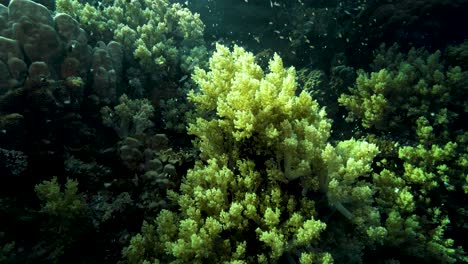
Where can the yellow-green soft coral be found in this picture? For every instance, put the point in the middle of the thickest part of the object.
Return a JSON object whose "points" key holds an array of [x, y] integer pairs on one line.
{"points": [[66, 204], [64, 215], [130, 117], [429, 165], [255, 134], [401, 88], [349, 189], [243, 106], [417, 188], [165, 38], [264, 155]]}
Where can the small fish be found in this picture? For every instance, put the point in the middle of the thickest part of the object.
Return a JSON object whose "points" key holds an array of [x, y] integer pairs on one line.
{"points": [[183, 78], [192, 65]]}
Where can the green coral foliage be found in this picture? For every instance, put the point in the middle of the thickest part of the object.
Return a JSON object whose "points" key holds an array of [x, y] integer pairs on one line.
{"points": [[227, 206], [131, 117], [266, 171], [165, 38], [55, 202], [63, 218], [263, 152], [349, 190], [426, 164], [459, 54], [414, 193], [420, 182], [403, 87], [257, 110]]}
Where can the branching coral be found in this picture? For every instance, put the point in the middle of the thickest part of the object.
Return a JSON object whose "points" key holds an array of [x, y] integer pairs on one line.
{"points": [[68, 203], [407, 194], [129, 117], [165, 38], [263, 152], [64, 216], [260, 111], [401, 88]]}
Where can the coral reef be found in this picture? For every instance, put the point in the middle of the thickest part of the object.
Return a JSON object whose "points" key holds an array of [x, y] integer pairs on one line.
{"points": [[247, 120], [166, 39], [120, 142], [129, 118], [31, 35], [404, 87], [68, 208]]}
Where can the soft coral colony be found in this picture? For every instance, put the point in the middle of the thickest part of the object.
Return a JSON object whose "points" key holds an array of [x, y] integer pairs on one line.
{"points": [[267, 183], [270, 183], [164, 38]]}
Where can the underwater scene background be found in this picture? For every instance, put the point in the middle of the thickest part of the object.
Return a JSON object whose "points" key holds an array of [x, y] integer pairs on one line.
{"points": [[233, 131]]}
